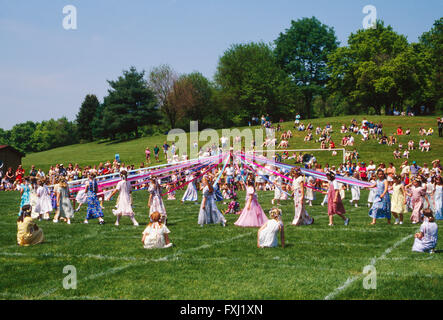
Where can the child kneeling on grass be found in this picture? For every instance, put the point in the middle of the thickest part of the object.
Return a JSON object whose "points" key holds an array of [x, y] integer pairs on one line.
{"points": [[156, 234], [267, 234], [426, 239], [28, 233]]}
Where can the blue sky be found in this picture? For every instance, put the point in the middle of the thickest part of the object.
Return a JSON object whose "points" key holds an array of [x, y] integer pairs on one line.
{"points": [[46, 71]]}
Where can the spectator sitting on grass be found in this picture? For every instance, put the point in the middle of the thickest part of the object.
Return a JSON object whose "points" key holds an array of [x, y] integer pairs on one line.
{"points": [[426, 239], [426, 146], [411, 145], [156, 234]]}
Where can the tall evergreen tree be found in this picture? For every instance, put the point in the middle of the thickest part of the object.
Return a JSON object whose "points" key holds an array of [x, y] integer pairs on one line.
{"points": [[129, 105], [85, 117]]}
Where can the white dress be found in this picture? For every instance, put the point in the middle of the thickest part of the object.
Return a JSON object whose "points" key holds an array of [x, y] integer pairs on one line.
{"points": [[342, 191], [429, 240], [124, 206], [309, 193], [155, 236], [268, 236], [277, 188], [44, 200], [35, 203], [372, 193], [355, 192], [81, 196]]}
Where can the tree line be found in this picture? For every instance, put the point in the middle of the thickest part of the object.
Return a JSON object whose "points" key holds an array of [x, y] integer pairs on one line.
{"points": [[305, 70]]}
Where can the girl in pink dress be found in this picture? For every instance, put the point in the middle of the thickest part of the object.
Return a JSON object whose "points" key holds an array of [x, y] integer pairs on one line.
{"points": [[124, 202], [252, 215], [335, 205], [417, 193]]}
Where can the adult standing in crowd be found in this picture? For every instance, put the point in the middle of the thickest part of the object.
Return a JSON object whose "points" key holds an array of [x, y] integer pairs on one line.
{"points": [[440, 126], [156, 152]]}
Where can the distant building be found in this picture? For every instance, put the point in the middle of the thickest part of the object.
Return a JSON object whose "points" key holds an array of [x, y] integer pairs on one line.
{"points": [[10, 157]]}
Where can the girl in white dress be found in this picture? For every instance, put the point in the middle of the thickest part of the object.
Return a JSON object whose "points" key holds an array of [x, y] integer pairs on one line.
{"points": [[267, 234], [155, 202], [430, 187], [45, 203], [35, 203], [124, 202], [372, 192], [355, 192], [284, 194], [309, 194], [426, 239], [81, 198], [277, 189], [155, 236]]}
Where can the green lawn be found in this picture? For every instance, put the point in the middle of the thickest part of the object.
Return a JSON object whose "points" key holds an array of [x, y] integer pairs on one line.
{"points": [[215, 262], [132, 152]]}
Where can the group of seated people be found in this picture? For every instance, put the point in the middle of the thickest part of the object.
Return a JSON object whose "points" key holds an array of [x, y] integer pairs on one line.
{"points": [[424, 132]]}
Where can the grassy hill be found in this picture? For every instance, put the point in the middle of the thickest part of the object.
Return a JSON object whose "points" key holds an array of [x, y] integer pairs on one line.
{"points": [[132, 152]]}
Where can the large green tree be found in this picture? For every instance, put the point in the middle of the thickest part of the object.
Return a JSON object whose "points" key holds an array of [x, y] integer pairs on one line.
{"points": [[20, 136], [432, 42], [54, 133], [302, 51], [378, 69], [129, 105], [251, 83], [85, 117]]}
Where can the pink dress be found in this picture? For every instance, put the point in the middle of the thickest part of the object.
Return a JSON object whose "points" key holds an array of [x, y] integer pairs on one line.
{"points": [[417, 202], [254, 217], [337, 207], [124, 206]]}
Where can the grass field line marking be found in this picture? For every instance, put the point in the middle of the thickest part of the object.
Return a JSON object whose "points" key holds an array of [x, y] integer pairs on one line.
{"points": [[15, 295], [331, 243], [165, 258], [374, 260]]}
